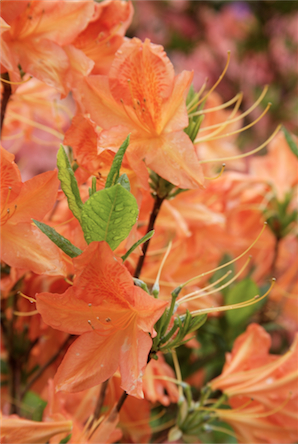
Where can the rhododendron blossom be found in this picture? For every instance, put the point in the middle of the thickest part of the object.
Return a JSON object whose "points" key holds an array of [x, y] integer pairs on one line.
{"points": [[112, 317]]}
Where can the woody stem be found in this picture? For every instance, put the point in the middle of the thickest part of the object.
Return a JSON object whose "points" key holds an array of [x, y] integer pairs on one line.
{"points": [[5, 97], [157, 204]]}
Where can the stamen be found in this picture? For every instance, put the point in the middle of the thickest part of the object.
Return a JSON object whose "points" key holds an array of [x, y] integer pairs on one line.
{"points": [[13, 136], [218, 175], [133, 117], [192, 296], [227, 263], [217, 108], [26, 297], [208, 138], [202, 290], [178, 372], [36, 124], [23, 313], [109, 37], [8, 215], [241, 156], [192, 104], [15, 83], [248, 111], [65, 222], [156, 283], [252, 301], [145, 421], [214, 428], [68, 281], [218, 81]]}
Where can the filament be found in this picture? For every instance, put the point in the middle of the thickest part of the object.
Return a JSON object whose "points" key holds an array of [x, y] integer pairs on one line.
{"points": [[24, 313], [36, 125], [145, 421], [15, 83], [6, 200], [208, 286], [218, 175], [13, 136], [248, 111], [178, 372], [162, 263], [218, 107], [218, 81], [252, 301], [188, 297], [109, 37], [208, 138], [220, 429], [192, 105], [26, 297], [240, 156], [68, 281], [227, 263]]}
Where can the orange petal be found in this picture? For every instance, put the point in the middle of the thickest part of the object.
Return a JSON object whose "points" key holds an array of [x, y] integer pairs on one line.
{"points": [[25, 246], [10, 178]]}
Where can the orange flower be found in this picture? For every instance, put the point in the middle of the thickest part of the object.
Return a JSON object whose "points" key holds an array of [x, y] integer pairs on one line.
{"points": [[23, 245], [113, 318], [143, 97], [19, 430], [104, 33], [37, 35], [271, 380]]}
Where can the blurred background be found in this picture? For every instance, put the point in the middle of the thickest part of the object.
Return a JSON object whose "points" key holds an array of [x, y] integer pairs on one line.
{"points": [[261, 35]]}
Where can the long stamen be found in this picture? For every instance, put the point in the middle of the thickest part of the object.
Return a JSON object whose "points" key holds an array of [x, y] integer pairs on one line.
{"points": [[252, 301], [110, 36], [218, 175], [156, 283], [26, 297], [8, 215], [218, 107], [194, 295], [13, 136], [178, 372], [241, 156], [210, 137], [206, 273], [248, 111], [218, 81], [193, 103], [15, 83], [24, 313], [202, 290], [36, 125]]}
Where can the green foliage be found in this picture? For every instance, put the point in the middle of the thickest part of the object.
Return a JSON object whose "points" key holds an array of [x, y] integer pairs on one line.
{"points": [[32, 406], [61, 242], [241, 292], [65, 440], [109, 215], [139, 242], [113, 175], [69, 183], [292, 145], [124, 181]]}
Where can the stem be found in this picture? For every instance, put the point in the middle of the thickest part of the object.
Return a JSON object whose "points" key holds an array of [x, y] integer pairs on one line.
{"points": [[5, 97], [45, 366], [157, 204], [100, 401], [121, 401]]}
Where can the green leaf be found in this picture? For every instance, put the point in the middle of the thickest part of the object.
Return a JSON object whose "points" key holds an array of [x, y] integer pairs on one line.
{"points": [[65, 440], [139, 242], [124, 181], [109, 215], [220, 273], [241, 292], [61, 242], [293, 146], [116, 165], [69, 183], [32, 406]]}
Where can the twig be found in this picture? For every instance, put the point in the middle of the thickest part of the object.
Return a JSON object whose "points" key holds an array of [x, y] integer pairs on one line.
{"points": [[5, 97]]}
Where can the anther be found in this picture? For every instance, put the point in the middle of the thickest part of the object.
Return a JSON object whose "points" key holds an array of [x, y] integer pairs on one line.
{"points": [[108, 319]]}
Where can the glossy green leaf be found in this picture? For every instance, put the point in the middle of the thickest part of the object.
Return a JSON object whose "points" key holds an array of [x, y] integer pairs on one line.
{"points": [[124, 181], [69, 183], [61, 242], [139, 242], [32, 406], [116, 165], [293, 146], [241, 292], [109, 215]]}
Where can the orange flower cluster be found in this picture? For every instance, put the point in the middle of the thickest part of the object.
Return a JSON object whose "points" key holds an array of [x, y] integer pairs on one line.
{"points": [[86, 325]]}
